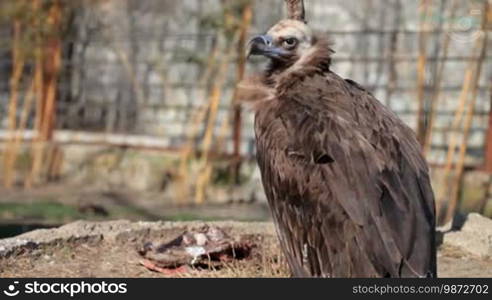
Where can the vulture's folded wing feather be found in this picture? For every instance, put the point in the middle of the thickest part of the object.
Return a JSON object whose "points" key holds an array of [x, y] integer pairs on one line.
{"points": [[347, 185]]}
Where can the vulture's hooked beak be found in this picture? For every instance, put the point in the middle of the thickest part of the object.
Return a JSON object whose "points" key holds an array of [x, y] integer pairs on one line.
{"points": [[263, 45]]}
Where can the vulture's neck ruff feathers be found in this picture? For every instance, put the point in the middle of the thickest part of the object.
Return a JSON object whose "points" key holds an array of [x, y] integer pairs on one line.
{"points": [[316, 59], [261, 88]]}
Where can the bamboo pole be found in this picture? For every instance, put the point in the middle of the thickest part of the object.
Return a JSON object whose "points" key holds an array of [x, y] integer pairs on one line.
{"points": [[456, 187]]}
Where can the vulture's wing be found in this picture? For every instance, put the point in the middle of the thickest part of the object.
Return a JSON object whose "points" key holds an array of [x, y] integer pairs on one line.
{"points": [[348, 188]]}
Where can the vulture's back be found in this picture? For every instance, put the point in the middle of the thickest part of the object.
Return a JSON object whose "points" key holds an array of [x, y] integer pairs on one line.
{"points": [[346, 182]]}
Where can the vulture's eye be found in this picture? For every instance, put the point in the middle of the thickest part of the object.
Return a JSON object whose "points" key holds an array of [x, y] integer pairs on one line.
{"points": [[290, 42]]}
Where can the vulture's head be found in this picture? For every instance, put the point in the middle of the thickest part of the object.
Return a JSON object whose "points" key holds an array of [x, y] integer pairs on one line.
{"points": [[291, 42]]}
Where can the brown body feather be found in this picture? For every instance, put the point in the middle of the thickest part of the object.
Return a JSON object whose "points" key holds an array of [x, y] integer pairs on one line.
{"points": [[345, 179]]}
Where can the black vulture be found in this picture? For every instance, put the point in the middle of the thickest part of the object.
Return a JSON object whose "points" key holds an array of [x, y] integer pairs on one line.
{"points": [[345, 179]]}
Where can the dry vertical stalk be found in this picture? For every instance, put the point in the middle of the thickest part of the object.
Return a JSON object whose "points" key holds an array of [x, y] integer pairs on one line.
{"points": [[38, 88], [34, 88], [488, 157], [47, 106], [216, 93], [18, 61], [205, 166], [488, 145], [421, 67], [458, 116], [197, 119], [240, 70], [392, 70], [441, 189], [439, 77], [123, 57], [295, 10], [482, 45], [52, 69], [17, 136], [55, 163]]}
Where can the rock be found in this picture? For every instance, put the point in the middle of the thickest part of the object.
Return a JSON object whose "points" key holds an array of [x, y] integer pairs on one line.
{"points": [[475, 237], [86, 232]]}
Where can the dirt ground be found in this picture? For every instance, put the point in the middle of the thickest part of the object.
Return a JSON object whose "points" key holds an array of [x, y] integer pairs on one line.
{"points": [[96, 253], [109, 249]]}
